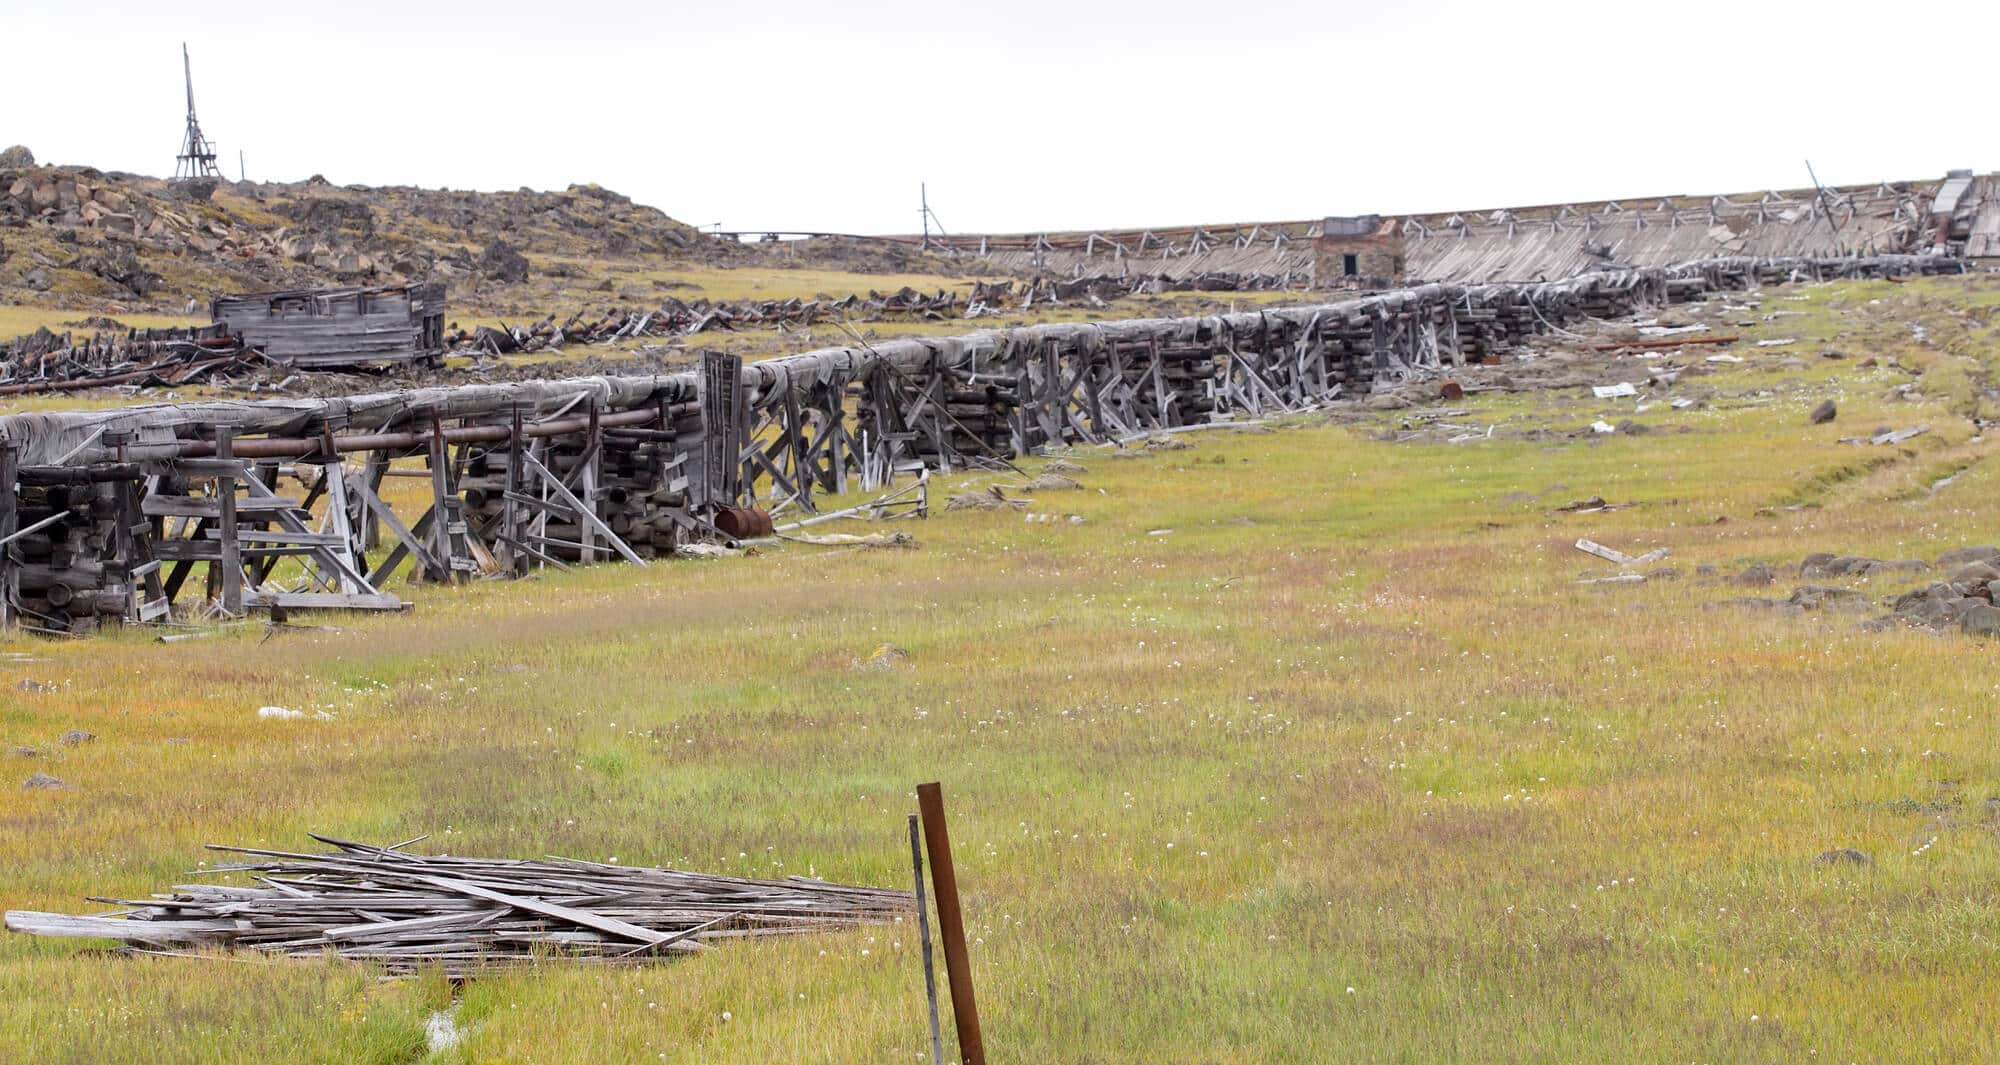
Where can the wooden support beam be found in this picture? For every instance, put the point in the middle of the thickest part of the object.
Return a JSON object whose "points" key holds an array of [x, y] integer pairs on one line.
{"points": [[231, 560], [448, 521], [10, 519], [517, 558], [408, 541], [584, 513], [589, 469]]}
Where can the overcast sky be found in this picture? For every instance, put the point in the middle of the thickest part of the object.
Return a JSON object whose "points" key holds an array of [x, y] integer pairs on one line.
{"points": [[1023, 115]]}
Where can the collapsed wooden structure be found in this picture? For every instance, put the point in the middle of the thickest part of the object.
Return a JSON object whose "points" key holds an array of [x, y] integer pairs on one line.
{"points": [[316, 328], [1523, 243], [44, 361], [407, 911], [104, 515]]}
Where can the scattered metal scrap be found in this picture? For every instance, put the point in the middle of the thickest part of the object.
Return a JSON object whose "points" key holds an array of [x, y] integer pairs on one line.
{"points": [[408, 911]]}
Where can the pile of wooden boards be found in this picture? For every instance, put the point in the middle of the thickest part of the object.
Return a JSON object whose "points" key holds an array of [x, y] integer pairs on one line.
{"points": [[44, 361], [408, 911]]}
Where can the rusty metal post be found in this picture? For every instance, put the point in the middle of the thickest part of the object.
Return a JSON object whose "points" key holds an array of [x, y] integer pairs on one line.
{"points": [[951, 925], [924, 933]]}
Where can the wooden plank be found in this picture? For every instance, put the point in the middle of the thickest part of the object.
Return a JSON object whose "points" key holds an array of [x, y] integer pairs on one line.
{"points": [[407, 540], [327, 600], [10, 456], [607, 925], [225, 493], [583, 512], [199, 507], [264, 536]]}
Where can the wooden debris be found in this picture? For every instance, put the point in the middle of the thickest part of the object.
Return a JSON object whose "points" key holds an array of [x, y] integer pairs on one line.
{"points": [[408, 911]]}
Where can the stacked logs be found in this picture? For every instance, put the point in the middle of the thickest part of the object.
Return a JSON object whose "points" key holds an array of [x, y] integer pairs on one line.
{"points": [[72, 574], [635, 474], [981, 416]]}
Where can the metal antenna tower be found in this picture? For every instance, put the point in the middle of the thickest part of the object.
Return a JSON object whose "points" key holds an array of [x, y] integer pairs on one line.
{"points": [[197, 158]]}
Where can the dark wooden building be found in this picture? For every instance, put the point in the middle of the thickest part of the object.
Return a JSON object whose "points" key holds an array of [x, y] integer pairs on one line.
{"points": [[315, 328]]}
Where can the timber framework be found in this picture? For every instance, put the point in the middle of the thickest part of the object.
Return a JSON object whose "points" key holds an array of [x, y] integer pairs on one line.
{"points": [[105, 515]]}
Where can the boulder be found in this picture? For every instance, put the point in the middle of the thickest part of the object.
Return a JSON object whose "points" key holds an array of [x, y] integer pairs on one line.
{"points": [[1813, 596], [196, 190], [1975, 573], [502, 262], [1823, 413], [16, 157], [1962, 555], [77, 736], [1754, 574], [1843, 856], [42, 782], [1823, 564], [1981, 620]]}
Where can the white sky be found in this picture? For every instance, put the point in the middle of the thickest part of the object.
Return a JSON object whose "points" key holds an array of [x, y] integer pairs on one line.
{"points": [[1020, 115]]}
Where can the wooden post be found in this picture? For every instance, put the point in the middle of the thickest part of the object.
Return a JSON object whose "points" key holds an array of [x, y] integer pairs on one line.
{"points": [[586, 488], [334, 475], [951, 925], [374, 468], [10, 517], [924, 935], [232, 555], [515, 535]]}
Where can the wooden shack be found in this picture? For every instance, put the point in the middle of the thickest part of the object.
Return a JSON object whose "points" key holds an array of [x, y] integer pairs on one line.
{"points": [[321, 328], [1363, 250]]}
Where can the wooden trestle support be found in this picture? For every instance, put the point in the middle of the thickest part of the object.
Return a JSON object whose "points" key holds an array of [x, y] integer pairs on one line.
{"points": [[105, 515]]}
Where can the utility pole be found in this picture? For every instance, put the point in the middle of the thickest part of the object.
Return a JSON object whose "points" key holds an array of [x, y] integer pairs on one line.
{"points": [[927, 216]]}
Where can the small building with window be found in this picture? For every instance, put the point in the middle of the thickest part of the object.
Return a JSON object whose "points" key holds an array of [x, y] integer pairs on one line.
{"points": [[1363, 251], [320, 328]]}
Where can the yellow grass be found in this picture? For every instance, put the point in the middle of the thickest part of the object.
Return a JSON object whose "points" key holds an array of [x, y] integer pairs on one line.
{"points": [[17, 320], [1303, 746]]}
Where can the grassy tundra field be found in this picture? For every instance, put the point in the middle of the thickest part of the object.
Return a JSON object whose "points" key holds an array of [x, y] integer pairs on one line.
{"points": [[1304, 745]]}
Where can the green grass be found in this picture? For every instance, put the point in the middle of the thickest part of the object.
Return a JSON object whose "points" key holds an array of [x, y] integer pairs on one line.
{"points": [[1350, 724]]}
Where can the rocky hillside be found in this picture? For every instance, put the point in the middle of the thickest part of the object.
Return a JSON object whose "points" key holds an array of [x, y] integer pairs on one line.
{"points": [[77, 236]]}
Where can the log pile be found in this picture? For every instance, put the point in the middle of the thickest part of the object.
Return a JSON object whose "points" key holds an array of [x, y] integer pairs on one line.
{"points": [[407, 912], [75, 546]]}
